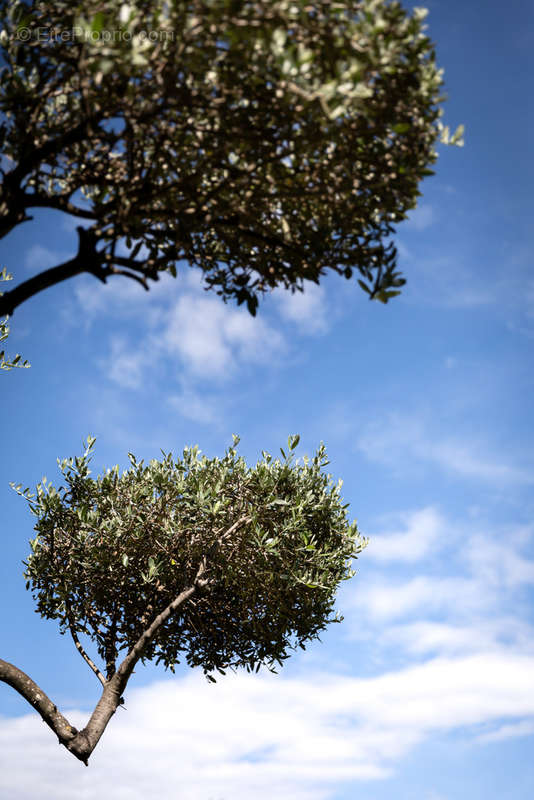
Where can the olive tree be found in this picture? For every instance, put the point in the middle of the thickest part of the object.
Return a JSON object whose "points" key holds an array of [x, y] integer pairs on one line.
{"points": [[262, 142], [204, 560]]}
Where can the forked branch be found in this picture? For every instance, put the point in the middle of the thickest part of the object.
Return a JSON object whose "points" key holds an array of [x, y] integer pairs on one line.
{"points": [[82, 743]]}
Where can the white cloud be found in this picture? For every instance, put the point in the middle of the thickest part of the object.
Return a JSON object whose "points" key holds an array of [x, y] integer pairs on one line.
{"points": [[212, 338], [259, 736], [178, 319], [475, 586], [207, 338], [387, 600], [179, 323], [470, 461], [421, 532], [307, 309], [467, 600], [474, 634]]}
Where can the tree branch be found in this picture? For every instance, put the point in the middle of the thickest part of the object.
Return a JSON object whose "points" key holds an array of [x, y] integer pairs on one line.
{"points": [[125, 670], [51, 147], [86, 260], [35, 696], [111, 698], [82, 743], [83, 654], [230, 530], [50, 277], [140, 279]]}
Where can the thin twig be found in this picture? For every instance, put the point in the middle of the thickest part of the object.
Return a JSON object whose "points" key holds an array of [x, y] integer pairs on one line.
{"points": [[115, 271], [83, 654]]}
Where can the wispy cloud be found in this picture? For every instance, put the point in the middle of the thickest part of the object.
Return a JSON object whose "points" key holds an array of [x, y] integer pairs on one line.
{"points": [[125, 364], [38, 257], [445, 273], [199, 407], [208, 338], [400, 438], [190, 336], [523, 728], [388, 600], [419, 532], [481, 580], [421, 217], [308, 309], [467, 597], [473, 634], [123, 299], [183, 330]]}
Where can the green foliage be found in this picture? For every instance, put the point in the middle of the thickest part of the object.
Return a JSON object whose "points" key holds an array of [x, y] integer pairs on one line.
{"points": [[264, 143], [112, 552], [6, 362]]}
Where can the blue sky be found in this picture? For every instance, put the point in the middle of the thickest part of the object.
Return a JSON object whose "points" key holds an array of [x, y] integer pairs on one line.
{"points": [[427, 689]]}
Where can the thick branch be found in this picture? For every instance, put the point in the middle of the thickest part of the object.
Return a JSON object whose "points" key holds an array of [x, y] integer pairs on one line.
{"points": [[86, 260], [82, 743], [237, 524], [35, 696], [50, 277], [89, 260]]}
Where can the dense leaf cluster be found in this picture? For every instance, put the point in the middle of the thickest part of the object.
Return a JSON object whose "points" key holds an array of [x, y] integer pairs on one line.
{"points": [[263, 142], [272, 541]]}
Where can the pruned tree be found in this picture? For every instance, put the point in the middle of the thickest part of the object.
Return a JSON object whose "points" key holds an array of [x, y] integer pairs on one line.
{"points": [[200, 559], [262, 142]]}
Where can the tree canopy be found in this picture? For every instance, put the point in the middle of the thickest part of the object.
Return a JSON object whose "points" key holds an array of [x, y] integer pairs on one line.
{"points": [[206, 560], [264, 143]]}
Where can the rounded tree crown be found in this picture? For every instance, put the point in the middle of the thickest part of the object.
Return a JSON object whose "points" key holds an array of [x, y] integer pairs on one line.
{"points": [[272, 542]]}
